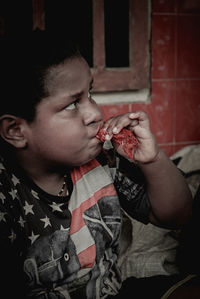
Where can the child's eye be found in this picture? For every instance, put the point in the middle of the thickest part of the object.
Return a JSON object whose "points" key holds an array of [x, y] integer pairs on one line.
{"points": [[72, 105]]}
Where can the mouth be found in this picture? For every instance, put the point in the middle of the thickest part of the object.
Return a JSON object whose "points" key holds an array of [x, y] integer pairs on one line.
{"points": [[100, 125]]}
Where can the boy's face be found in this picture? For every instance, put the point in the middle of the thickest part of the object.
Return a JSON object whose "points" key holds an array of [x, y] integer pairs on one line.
{"points": [[67, 121]]}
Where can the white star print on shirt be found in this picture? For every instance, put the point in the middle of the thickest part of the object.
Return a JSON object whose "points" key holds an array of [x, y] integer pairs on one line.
{"points": [[15, 180], [1, 167], [33, 237], [35, 194], [56, 207], [13, 193], [2, 216], [2, 196], [46, 221], [62, 228], [12, 237], [28, 208], [21, 221]]}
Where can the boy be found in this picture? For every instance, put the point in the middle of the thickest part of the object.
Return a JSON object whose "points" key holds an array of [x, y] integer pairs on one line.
{"points": [[60, 197]]}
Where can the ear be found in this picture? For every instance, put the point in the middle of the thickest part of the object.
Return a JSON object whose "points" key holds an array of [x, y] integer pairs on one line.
{"points": [[12, 130]]}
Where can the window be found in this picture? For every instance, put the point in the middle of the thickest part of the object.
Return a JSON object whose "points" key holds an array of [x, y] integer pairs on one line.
{"points": [[114, 36], [135, 75]]}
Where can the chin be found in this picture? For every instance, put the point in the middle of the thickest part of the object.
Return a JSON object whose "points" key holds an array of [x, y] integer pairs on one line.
{"points": [[92, 155], [98, 150], [87, 155]]}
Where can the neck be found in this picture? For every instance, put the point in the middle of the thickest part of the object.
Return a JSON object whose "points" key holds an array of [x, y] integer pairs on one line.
{"points": [[49, 180]]}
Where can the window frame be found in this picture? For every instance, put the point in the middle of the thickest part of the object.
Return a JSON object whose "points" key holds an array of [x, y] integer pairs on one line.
{"points": [[135, 80], [137, 76]]}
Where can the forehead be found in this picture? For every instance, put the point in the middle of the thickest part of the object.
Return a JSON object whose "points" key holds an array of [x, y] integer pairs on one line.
{"points": [[72, 74]]}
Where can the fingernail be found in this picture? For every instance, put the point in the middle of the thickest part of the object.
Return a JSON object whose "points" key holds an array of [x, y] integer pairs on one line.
{"points": [[132, 115], [115, 130]]}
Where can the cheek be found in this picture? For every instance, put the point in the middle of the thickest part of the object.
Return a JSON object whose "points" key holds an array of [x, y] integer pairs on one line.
{"points": [[74, 133], [74, 138], [60, 134], [63, 130]]}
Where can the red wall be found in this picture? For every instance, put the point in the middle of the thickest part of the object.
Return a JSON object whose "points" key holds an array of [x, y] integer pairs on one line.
{"points": [[175, 107]]}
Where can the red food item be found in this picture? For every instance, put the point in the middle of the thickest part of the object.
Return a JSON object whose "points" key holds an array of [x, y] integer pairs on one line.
{"points": [[125, 138]]}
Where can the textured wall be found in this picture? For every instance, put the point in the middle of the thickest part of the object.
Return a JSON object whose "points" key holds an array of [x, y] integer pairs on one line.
{"points": [[175, 108]]}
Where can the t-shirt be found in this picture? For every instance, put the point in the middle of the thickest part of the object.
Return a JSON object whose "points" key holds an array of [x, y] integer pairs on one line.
{"points": [[57, 246]]}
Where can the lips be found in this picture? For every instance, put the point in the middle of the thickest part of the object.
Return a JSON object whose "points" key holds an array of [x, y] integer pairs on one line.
{"points": [[100, 126]]}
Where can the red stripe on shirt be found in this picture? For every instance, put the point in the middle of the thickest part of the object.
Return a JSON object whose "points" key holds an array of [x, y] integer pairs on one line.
{"points": [[87, 257], [77, 221], [77, 173]]}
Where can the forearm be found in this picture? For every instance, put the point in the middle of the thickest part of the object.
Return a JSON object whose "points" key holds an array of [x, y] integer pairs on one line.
{"points": [[169, 195], [168, 192]]}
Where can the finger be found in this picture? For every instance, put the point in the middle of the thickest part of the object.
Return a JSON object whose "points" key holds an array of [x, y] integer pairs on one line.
{"points": [[142, 118], [112, 123], [122, 122], [108, 123], [134, 123]]}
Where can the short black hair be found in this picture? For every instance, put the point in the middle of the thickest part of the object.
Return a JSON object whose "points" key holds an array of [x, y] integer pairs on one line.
{"points": [[24, 64]]}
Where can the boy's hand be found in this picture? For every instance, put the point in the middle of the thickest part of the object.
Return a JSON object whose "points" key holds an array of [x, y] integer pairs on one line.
{"points": [[138, 122]]}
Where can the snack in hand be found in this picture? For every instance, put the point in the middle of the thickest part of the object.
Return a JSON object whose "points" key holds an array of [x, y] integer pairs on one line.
{"points": [[125, 138]]}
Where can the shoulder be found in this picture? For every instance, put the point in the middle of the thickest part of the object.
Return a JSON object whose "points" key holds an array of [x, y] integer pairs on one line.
{"points": [[8, 187]]}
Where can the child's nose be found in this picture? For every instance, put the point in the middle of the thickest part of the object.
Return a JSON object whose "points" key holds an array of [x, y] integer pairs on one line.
{"points": [[91, 113]]}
